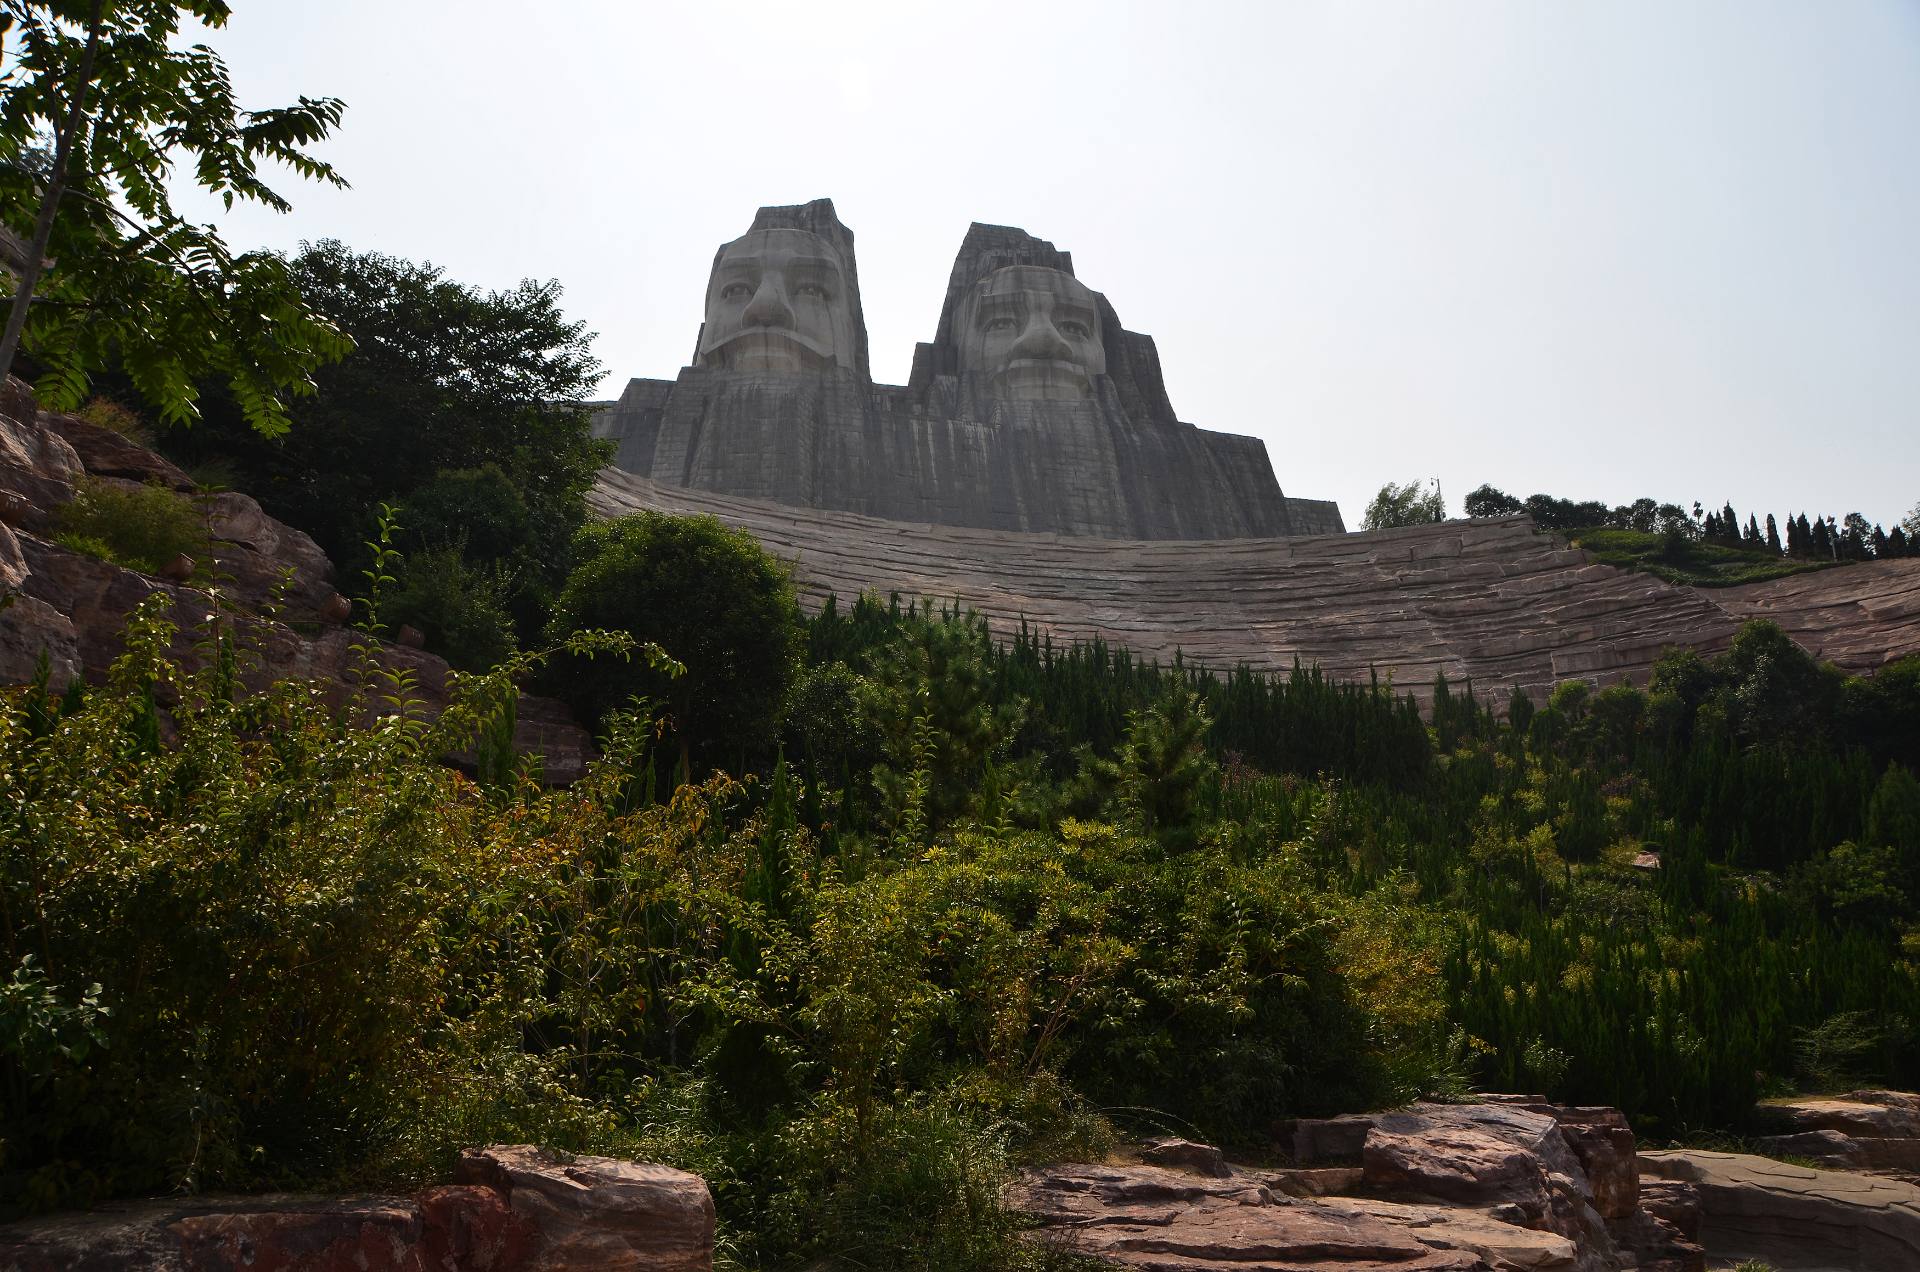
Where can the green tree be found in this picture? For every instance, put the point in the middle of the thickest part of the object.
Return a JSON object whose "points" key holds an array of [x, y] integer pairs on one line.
{"points": [[1164, 768], [461, 407], [1489, 501], [712, 598], [95, 108], [1414, 504]]}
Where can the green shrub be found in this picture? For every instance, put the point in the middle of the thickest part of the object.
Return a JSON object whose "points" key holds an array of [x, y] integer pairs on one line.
{"points": [[459, 608], [710, 595], [143, 528]]}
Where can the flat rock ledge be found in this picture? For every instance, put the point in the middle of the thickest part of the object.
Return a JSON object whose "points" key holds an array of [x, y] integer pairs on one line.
{"points": [[1794, 1218], [1514, 1185], [513, 1208]]}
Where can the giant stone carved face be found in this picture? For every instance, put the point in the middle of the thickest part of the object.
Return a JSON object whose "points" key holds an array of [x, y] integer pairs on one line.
{"points": [[1032, 333], [778, 302]]}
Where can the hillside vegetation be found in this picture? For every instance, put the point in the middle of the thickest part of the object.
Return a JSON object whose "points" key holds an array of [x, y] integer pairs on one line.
{"points": [[964, 905]]}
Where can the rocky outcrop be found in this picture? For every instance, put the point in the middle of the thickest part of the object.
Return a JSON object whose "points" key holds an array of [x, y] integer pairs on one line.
{"points": [[523, 1210], [276, 584], [1795, 1218], [1504, 1185], [1861, 1130]]}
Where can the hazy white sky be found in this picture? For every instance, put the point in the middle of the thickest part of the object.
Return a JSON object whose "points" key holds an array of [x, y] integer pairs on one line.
{"points": [[1600, 249]]}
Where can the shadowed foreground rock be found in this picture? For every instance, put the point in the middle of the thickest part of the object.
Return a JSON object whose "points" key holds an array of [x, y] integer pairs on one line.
{"points": [[518, 1209]]}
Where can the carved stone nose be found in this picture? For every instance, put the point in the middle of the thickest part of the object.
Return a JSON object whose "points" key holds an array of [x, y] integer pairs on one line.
{"points": [[1042, 340], [769, 307]]}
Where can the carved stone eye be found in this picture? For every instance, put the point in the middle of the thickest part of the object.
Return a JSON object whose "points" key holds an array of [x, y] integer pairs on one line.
{"points": [[1078, 330], [999, 324], [811, 291], [735, 291]]}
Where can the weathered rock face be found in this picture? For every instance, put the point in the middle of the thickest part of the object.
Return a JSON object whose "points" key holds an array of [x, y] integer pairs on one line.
{"points": [[1796, 1219], [70, 607], [1031, 409], [528, 1211], [1497, 1186]]}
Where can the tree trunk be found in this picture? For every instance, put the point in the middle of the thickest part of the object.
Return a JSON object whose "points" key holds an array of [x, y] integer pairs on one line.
{"points": [[50, 199]]}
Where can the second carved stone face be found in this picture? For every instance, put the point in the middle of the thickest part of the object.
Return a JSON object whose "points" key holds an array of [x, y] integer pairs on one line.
{"points": [[1032, 333], [778, 302]]}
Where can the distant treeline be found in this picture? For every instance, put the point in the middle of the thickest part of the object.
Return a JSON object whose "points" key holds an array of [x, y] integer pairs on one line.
{"points": [[1849, 538]]}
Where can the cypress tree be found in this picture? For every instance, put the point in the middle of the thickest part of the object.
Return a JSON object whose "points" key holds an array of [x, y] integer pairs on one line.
{"points": [[1820, 543], [1773, 535], [1752, 537]]}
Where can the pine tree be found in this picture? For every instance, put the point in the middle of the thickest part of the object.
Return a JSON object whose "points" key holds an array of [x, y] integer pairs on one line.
{"points": [[1751, 538], [1820, 542], [1898, 544], [1729, 526], [1773, 535]]}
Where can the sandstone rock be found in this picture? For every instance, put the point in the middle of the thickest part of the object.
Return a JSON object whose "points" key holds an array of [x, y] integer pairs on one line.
{"points": [[1149, 1217], [178, 570], [1490, 1155], [1858, 617], [1329, 1141], [37, 467], [410, 636], [105, 453], [1864, 1130], [1505, 1247], [599, 1212], [1203, 1159], [1313, 1181], [1603, 1142], [1796, 1218], [529, 1217]]}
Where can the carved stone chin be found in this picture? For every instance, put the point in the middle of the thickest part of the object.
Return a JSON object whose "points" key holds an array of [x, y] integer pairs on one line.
{"points": [[778, 301], [1031, 334]]}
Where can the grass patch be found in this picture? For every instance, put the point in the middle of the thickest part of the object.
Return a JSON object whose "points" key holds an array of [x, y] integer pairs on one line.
{"points": [[1689, 561]]}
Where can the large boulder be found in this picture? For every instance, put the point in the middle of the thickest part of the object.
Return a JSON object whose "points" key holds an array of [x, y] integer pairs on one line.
{"points": [[1153, 1218], [1861, 1130], [1796, 1218], [523, 1211], [599, 1212], [1506, 1158], [1507, 1185]]}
